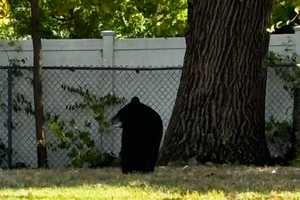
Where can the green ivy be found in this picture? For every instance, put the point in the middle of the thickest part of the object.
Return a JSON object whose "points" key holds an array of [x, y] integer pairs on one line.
{"points": [[285, 66]]}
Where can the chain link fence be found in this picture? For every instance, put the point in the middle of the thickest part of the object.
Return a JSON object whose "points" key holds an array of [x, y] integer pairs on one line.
{"points": [[280, 93], [70, 96]]}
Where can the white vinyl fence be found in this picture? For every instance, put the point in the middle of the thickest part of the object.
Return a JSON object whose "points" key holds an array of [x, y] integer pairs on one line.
{"points": [[156, 87]]}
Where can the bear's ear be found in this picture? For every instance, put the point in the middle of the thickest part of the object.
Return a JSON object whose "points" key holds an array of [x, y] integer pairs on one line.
{"points": [[135, 100]]}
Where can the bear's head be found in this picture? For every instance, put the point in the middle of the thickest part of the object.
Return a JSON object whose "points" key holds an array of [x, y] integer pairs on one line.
{"points": [[123, 114]]}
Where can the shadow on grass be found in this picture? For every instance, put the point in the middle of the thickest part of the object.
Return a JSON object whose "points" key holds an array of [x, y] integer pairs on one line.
{"points": [[181, 179]]}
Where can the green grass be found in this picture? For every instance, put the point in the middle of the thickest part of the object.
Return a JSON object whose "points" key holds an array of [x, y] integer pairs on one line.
{"points": [[167, 183]]}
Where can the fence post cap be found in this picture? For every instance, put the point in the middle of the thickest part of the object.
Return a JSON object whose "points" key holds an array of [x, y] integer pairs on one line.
{"points": [[107, 33], [297, 28]]}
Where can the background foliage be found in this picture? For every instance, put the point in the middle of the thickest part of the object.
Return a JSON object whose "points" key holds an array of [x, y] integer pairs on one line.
{"points": [[87, 18], [283, 12], [128, 18]]}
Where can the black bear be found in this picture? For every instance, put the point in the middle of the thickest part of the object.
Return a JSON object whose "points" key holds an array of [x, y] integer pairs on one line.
{"points": [[142, 132]]}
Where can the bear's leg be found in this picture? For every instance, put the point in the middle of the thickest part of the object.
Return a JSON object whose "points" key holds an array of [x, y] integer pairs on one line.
{"points": [[153, 149], [126, 163]]}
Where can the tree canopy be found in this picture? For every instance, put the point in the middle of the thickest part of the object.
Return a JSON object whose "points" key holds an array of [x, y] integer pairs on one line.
{"points": [[134, 18], [87, 18], [283, 12]]}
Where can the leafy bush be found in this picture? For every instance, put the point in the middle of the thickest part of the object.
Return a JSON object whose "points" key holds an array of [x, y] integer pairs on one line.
{"points": [[77, 140], [80, 147]]}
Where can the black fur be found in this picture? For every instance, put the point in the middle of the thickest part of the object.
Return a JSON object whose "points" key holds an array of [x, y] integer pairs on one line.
{"points": [[142, 132]]}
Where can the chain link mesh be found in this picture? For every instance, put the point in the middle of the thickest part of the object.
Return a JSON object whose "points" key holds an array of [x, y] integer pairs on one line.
{"points": [[3, 119], [156, 87], [279, 95]]}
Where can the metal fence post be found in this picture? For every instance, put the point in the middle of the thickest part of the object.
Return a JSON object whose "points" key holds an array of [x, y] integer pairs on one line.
{"points": [[297, 42], [296, 113], [9, 117], [296, 119], [108, 54]]}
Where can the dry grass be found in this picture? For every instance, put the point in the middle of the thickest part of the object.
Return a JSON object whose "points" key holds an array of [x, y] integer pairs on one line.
{"points": [[202, 182]]}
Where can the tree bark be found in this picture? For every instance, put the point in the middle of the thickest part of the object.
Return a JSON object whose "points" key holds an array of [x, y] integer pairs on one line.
{"points": [[37, 84], [220, 105]]}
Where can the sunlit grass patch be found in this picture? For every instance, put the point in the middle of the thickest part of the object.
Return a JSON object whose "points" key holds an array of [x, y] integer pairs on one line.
{"points": [[167, 183]]}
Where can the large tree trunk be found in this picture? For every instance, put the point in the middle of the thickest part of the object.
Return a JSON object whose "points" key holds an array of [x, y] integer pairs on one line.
{"points": [[37, 84], [220, 105]]}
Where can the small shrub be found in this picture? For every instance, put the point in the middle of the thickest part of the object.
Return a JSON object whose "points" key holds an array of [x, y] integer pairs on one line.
{"points": [[80, 147], [77, 140], [281, 141]]}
